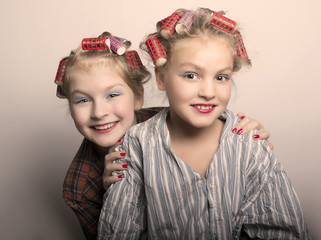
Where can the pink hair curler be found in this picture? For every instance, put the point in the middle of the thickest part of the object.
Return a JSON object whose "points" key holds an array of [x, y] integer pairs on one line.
{"points": [[156, 51], [185, 22], [115, 45], [94, 43], [61, 72], [239, 46], [134, 59], [223, 22]]}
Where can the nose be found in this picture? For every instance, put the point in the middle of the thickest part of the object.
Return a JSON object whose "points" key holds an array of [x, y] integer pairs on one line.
{"points": [[99, 109], [207, 89]]}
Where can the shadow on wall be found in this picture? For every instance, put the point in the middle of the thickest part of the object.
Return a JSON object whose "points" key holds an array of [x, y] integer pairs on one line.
{"points": [[61, 220], [32, 206]]}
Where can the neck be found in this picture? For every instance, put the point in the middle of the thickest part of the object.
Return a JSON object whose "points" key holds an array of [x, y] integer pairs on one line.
{"points": [[101, 151], [182, 130]]}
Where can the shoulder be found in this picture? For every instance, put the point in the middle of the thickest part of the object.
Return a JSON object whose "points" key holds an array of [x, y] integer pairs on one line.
{"points": [[141, 137], [254, 154], [82, 170], [146, 113], [149, 126], [231, 119]]}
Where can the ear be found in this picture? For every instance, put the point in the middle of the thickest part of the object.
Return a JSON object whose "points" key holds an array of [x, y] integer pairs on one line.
{"points": [[160, 80], [139, 101]]}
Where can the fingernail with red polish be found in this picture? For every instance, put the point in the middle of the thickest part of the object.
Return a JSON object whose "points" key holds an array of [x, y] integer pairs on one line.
{"points": [[234, 130], [120, 176], [256, 136], [240, 131], [242, 117], [125, 165], [119, 140], [123, 154]]}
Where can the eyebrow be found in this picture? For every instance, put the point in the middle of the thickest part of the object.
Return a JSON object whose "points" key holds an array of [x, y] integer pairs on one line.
{"points": [[106, 89], [188, 64]]}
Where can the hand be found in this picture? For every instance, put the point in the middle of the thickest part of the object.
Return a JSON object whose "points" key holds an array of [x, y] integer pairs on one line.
{"points": [[110, 167], [247, 124]]}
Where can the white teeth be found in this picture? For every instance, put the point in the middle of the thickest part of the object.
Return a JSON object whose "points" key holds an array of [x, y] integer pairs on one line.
{"points": [[203, 107], [104, 127]]}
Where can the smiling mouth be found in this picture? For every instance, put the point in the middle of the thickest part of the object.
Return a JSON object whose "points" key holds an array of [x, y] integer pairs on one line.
{"points": [[105, 126], [204, 108]]}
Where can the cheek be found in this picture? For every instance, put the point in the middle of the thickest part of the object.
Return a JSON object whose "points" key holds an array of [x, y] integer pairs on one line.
{"points": [[180, 92], [125, 108], [78, 115], [225, 94]]}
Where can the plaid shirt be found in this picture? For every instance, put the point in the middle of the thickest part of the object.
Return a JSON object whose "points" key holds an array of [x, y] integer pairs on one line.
{"points": [[83, 188]]}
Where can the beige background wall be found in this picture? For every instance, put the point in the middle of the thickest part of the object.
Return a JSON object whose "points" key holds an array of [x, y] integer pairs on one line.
{"points": [[38, 139]]}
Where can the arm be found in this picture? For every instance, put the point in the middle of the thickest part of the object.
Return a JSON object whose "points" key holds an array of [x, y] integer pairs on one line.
{"points": [[273, 210], [123, 214], [87, 214], [83, 190]]}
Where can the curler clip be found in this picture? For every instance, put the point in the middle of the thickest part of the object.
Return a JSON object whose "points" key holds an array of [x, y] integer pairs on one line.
{"points": [[185, 21], [223, 22], [156, 51], [239, 46], [94, 43], [169, 25], [134, 59], [61, 71]]}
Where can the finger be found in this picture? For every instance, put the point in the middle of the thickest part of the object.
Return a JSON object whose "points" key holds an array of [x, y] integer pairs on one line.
{"points": [[247, 124], [110, 157], [111, 179], [251, 125], [111, 149], [262, 135], [241, 115], [110, 166], [115, 167]]}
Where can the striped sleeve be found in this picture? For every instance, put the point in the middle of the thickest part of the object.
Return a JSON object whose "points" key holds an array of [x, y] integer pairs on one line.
{"points": [[273, 209], [123, 215]]}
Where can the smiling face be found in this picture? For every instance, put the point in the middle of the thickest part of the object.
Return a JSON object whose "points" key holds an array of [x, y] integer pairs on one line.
{"points": [[101, 103], [197, 81]]}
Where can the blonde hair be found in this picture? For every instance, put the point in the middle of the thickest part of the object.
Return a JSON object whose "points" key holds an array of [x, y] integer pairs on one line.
{"points": [[200, 26], [85, 59]]}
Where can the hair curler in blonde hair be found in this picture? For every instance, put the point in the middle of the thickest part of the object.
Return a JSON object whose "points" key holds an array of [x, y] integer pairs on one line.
{"points": [[223, 22], [99, 43], [169, 26], [156, 51], [115, 45], [185, 22]]}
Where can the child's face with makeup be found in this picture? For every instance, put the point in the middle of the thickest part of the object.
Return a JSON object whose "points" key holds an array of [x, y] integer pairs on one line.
{"points": [[102, 104], [198, 80]]}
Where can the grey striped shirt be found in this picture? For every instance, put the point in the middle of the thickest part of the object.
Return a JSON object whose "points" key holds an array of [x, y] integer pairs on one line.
{"points": [[246, 192]]}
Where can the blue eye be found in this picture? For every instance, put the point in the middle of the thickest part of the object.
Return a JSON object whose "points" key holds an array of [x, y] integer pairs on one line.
{"points": [[81, 100], [190, 75], [113, 94], [223, 77]]}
